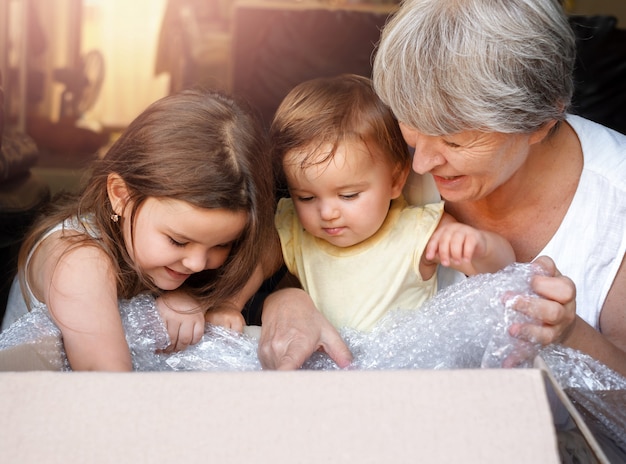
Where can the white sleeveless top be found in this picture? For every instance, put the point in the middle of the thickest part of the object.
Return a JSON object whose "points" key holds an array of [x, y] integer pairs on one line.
{"points": [[589, 245]]}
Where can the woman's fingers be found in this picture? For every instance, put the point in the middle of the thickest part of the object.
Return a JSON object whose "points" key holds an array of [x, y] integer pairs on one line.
{"points": [[554, 310]]}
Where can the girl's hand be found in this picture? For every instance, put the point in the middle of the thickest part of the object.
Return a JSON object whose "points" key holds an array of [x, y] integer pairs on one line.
{"points": [[227, 316], [183, 318], [554, 311]]}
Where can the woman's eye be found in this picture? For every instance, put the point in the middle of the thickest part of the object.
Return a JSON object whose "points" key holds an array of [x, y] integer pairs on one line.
{"points": [[451, 144], [175, 243]]}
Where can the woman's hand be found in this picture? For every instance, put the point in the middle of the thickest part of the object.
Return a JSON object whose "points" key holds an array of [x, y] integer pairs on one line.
{"points": [[555, 310], [293, 329], [183, 319]]}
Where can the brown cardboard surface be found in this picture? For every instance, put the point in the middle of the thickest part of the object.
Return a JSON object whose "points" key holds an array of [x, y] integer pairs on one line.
{"points": [[469, 416]]}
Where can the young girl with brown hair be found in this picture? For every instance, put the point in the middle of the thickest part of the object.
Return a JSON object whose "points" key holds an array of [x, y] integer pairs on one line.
{"points": [[180, 206]]}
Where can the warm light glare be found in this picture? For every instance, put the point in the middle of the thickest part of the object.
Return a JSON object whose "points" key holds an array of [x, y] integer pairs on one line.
{"points": [[126, 32], [50, 39]]}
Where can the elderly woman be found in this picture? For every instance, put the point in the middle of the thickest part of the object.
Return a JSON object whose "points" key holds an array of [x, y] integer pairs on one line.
{"points": [[482, 90]]}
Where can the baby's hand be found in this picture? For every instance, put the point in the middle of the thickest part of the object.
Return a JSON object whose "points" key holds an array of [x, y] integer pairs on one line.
{"points": [[183, 318], [455, 244], [226, 316]]}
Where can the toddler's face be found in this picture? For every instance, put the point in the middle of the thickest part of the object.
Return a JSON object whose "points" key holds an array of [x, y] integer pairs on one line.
{"points": [[345, 199]]}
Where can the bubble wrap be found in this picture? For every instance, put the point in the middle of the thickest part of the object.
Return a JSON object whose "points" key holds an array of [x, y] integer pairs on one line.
{"points": [[463, 326], [37, 331]]}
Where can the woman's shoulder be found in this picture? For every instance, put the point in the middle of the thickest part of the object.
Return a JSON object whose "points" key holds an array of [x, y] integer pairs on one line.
{"points": [[604, 149]]}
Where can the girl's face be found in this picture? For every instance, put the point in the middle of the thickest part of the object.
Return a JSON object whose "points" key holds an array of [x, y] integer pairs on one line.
{"points": [[345, 200], [173, 239], [469, 165]]}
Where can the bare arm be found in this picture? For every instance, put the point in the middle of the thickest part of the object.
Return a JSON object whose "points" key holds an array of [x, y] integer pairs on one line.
{"points": [[79, 288], [466, 249], [613, 315]]}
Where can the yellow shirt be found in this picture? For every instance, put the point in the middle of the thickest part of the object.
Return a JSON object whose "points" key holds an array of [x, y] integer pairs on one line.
{"points": [[355, 286]]}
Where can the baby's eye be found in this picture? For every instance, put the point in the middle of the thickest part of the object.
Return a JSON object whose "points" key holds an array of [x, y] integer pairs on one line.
{"points": [[349, 196], [304, 199], [175, 243]]}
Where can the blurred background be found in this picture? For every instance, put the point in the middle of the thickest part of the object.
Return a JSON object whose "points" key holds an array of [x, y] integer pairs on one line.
{"points": [[95, 64], [76, 72]]}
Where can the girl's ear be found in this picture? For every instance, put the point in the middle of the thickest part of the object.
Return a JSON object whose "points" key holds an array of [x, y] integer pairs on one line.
{"points": [[118, 193], [400, 176]]}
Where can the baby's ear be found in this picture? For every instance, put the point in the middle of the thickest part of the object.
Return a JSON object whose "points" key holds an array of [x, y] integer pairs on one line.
{"points": [[400, 175], [118, 193]]}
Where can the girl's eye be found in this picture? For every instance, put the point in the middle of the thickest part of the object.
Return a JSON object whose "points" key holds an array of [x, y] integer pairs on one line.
{"points": [[304, 199], [175, 243], [225, 245]]}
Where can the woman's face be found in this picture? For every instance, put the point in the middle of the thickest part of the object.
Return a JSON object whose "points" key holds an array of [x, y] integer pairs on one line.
{"points": [[468, 165]]}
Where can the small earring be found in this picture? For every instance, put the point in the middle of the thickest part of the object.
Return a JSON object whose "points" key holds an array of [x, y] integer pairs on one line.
{"points": [[115, 218]]}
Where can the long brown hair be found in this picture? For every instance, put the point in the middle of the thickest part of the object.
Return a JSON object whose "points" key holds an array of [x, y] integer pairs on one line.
{"points": [[197, 146]]}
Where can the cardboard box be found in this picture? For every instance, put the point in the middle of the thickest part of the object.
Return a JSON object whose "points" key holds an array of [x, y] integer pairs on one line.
{"points": [[470, 416]]}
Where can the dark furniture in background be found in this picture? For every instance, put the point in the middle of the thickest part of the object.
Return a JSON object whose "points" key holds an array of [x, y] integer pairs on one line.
{"points": [[278, 45], [600, 74]]}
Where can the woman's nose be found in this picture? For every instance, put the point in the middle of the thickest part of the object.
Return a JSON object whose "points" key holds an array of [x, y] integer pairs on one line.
{"points": [[424, 160], [426, 155]]}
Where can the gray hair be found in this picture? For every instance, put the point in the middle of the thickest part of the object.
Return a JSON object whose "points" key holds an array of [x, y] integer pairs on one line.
{"points": [[444, 66]]}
